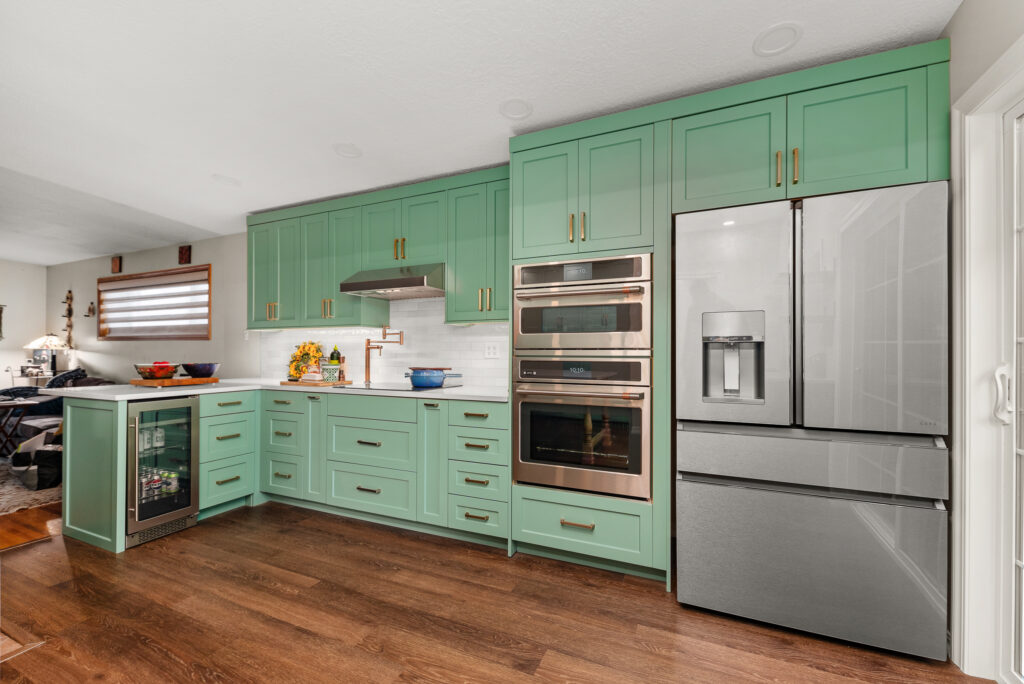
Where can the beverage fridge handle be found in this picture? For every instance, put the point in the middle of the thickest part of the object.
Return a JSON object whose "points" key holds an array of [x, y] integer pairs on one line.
{"points": [[797, 380], [133, 484]]}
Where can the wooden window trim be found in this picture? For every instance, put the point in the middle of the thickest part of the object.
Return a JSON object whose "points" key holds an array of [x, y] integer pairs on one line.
{"points": [[152, 274]]}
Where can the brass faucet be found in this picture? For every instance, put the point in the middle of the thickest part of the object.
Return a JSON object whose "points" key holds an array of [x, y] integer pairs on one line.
{"points": [[379, 346]]}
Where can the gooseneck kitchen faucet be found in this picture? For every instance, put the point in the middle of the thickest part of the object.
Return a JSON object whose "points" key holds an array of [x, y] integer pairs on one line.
{"points": [[379, 346]]}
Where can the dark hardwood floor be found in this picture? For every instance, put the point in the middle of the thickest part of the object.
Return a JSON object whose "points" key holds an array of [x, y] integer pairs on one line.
{"points": [[281, 594], [29, 525]]}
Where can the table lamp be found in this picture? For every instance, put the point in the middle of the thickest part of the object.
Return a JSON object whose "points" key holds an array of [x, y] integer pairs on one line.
{"points": [[51, 343]]}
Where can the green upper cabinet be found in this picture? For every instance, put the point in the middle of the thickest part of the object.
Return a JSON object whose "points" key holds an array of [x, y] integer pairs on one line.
{"points": [[467, 272], [730, 156], [862, 134], [382, 231], [616, 195], [423, 230], [316, 278], [289, 274], [545, 200], [345, 247], [584, 196], [275, 278], [500, 271]]}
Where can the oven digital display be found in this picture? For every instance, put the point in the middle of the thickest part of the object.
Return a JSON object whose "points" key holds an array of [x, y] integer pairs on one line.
{"points": [[576, 369]]}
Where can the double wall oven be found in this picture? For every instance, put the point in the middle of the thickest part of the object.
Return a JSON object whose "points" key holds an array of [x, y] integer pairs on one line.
{"points": [[582, 375]]}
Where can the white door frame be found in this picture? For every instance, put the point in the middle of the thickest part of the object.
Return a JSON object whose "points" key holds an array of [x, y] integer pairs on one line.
{"points": [[983, 339]]}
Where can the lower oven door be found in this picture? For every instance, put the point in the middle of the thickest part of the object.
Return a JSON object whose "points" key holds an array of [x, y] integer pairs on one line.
{"points": [[593, 438]]}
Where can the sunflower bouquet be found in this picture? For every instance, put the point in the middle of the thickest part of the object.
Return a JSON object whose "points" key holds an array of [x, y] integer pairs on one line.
{"points": [[306, 356]]}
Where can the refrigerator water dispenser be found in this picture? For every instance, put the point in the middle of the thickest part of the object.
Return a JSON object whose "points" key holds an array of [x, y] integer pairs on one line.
{"points": [[733, 356]]}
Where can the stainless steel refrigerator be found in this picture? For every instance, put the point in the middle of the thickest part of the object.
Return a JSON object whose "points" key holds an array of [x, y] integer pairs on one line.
{"points": [[812, 400]]}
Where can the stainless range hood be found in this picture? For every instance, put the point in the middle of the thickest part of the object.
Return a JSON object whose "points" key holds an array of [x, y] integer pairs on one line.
{"points": [[404, 282]]}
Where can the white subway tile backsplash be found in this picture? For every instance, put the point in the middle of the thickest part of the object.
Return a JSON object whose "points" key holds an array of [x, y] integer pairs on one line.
{"points": [[428, 342]]}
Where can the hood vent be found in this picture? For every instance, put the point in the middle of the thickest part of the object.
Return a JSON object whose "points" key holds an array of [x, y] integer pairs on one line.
{"points": [[404, 282]]}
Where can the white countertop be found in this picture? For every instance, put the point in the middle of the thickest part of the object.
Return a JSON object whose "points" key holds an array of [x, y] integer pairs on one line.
{"points": [[133, 392]]}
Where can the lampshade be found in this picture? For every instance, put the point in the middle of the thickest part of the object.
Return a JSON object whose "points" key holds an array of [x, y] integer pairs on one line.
{"points": [[50, 341]]}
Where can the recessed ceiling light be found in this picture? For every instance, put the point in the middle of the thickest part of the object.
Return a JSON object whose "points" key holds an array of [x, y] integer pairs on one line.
{"points": [[515, 109], [728, 223], [347, 150], [226, 180], [776, 39]]}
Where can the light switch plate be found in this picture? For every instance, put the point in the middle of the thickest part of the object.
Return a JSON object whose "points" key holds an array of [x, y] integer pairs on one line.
{"points": [[491, 350]]}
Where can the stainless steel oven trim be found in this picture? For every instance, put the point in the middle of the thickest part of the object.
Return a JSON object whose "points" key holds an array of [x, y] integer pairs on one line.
{"points": [[644, 361], [645, 272], [132, 522], [620, 484], [552, 296]]}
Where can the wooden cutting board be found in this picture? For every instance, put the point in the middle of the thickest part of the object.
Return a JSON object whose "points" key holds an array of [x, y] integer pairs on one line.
{"points": [[316, 384], [174, 382]]}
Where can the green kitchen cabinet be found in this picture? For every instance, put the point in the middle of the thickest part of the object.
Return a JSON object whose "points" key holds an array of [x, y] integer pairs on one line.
{"points": [[317, 272], [424, 227], [584, 196], [478, 276], [432, 462], [382, 231], [730, 156], [500, 271], [378, 443], [862, 134], [275, 274], [288, 310], [292, 452]]}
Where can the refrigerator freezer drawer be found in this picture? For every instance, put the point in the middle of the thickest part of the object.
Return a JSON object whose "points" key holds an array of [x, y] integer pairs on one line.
{"points": [[907, 466], [865, 572]]}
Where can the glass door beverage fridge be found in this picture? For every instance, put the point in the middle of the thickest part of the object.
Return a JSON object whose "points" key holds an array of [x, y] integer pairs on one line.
{"points": [[163, 468]]}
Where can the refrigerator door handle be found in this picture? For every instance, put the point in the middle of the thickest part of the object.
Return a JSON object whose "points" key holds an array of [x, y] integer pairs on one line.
{"points": [[798, 314], [1003, 410]]}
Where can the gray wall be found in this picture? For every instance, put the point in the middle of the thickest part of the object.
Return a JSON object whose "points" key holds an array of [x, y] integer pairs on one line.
{"points": [[237, 351], [979, 33], [23, 294]]}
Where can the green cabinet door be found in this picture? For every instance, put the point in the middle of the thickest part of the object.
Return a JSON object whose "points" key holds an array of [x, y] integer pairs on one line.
{"points": [[316, 268], [730, 156], [315, 418], [616, 190], [262, 265], [862, 134], [423, 230], [432, 462], [346, 260], [289, 274], [545, 201], [498, 251], [469, 254], [382, 231]]}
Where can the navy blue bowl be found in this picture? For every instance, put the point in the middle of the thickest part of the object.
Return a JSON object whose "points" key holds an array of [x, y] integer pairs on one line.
{"points": [[200, 370]]}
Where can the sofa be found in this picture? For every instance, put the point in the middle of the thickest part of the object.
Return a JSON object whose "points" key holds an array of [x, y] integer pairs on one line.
{"points": [[48, 413]]}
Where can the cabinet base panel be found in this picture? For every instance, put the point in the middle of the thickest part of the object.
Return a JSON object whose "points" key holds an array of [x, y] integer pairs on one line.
{"points": [[590, 561]]}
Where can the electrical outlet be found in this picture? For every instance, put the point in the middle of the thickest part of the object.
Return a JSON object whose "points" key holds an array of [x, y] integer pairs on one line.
{"points": [[491, 350]]}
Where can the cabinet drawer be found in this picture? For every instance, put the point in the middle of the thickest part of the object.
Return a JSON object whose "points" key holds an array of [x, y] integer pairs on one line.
{"points": [[224, 480], [489, 414], [281, 474], [373, 408], [374, 490], [480, 445], [477, 515], [616, 529], [283, 433], [281, 400], [372, 442], [230, 435], [227, 402], [475, 479]]}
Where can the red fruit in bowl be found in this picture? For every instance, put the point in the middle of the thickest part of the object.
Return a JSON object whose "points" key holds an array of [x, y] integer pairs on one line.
{"points": [[161, 363]]}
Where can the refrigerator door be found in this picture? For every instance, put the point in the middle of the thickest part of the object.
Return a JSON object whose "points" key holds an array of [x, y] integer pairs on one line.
{"points": [[875, 310], [734, 346]]}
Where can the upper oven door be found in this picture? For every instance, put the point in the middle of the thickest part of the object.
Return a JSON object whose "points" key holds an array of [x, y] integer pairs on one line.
{"points": [[621, 269], [585, 317]]}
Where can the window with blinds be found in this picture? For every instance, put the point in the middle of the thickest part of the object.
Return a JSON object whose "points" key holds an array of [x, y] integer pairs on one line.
{"points": [[160, 305]]}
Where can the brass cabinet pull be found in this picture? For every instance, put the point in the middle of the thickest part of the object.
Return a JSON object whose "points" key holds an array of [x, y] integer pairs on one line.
{"points": [[396, 248], [268, 312], [367, 489], [479, 482], [484, 518], [403, 248], [430, 404], [322, 314], [330, 307], [282, 401], [480, 299], [488, 299], [796, 165], [234, 436], [583, 226], [229, 403], [282, 434], [282, 475], [313, 397], [470, 445], [366, 443], [469, 414], [230, 479], [778, 168], [572, 219], [567, 523]]}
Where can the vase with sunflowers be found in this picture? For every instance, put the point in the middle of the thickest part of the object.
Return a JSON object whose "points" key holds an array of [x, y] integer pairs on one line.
{"points": [[306, 358]]}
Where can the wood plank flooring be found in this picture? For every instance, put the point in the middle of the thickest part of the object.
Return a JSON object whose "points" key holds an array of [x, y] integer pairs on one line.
{"points": [[29, 525], [282, 594]]}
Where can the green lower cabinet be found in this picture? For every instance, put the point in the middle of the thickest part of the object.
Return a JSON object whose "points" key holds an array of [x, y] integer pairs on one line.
{"points": [[292, 445], [480, 445], [432, 462], [225, 479], [604, 527], [374, 490], [479, 480], [284, 433], [371, 407], [481, 516], [282, 474], [228, 435], [379, 443], [222, 403], [485, 414]]}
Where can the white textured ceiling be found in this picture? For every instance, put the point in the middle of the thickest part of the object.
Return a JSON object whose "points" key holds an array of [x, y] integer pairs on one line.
{"points": [[145, 102]]}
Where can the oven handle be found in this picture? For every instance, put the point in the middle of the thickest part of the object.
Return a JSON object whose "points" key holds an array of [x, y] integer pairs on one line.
{"points": [[596, 395], [633, 289]]}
